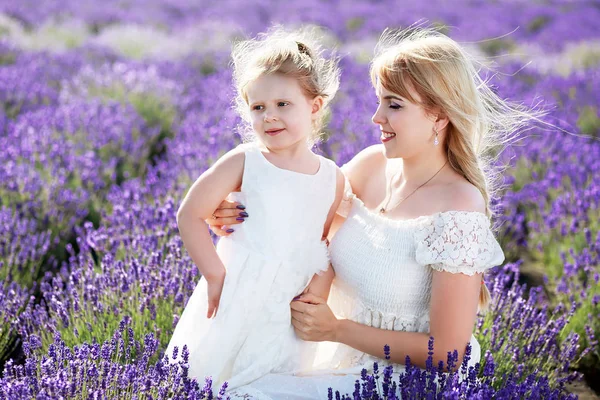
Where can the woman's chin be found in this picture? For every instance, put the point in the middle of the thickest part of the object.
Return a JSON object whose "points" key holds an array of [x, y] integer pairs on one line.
{"points": [[391, 152]]}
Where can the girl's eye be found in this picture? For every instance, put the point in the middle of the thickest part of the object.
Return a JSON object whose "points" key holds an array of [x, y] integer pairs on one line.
{"points": [[282, 104], [257, 108], [395, 106]]}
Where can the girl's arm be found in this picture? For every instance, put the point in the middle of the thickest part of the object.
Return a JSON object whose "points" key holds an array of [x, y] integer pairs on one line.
{"points": [[321, 283], [203, 197]]}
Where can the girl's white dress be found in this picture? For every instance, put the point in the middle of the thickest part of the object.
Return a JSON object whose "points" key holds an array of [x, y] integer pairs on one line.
{"points": [[270, 259], [383, 279]]}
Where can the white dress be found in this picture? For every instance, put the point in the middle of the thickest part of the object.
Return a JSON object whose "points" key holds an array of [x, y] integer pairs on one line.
{"points": [[383, 279], [270, 259]]}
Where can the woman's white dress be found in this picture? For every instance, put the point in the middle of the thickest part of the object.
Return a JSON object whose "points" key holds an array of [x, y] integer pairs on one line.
{"points": [[383, 279], [270, 259]]}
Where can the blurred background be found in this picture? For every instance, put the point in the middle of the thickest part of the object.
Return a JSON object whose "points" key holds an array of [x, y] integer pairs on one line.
{"points": [[109, 111]]}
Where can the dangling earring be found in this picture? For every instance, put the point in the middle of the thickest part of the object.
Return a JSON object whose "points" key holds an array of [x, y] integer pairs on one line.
{"points": [[436, 140]]}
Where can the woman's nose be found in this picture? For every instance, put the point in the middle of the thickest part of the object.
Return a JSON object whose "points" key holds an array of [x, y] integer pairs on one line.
{"points": [[378, 118]]}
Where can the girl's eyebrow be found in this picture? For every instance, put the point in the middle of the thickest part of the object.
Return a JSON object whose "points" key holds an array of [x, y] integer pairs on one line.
{"points": [[275, 101]]}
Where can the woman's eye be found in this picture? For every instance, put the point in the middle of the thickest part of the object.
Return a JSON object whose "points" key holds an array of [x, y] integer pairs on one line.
{"points": [[395, 106]]}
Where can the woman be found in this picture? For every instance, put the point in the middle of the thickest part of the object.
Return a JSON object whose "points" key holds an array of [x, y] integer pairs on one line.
{"points": [[412, 238]]}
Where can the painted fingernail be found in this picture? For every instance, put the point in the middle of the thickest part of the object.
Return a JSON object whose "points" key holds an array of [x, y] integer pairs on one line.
{"points": [[297, 297], [229, 230], [240, 219], [243, 214], [240, 207]]}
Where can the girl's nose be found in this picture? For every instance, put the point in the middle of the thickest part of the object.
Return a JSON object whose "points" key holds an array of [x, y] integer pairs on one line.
{"points": [[270, 117]]}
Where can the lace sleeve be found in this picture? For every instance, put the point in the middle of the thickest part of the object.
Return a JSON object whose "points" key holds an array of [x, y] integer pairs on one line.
{"points": [[458, 242], [347, 198]]}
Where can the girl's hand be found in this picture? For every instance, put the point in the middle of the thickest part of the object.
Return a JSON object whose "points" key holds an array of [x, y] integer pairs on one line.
{"points": [[215, 288], [228, 213], [313, 320]]}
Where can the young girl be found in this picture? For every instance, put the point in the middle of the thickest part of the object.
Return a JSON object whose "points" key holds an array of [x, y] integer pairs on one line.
{"points": [[237, 323]]}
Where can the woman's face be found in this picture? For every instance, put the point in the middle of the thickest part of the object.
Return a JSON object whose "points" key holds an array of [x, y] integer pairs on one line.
{"points": [[406, 129]]}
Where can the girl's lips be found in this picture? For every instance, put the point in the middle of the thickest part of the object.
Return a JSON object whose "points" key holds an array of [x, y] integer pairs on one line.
{"points": [[274, 132]]}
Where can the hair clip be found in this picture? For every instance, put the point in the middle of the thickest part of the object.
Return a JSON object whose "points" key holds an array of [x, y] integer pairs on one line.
{"points": [[303, 49]]}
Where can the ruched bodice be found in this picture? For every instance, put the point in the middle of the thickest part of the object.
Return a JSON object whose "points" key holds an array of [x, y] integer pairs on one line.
{"points": [[384, 267]]}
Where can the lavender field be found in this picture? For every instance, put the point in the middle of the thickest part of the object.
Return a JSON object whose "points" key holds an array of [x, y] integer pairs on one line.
{"points": [[110, 110]]}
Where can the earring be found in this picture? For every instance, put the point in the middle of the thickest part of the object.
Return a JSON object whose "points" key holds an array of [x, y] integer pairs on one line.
{"points": [[436, 140]]}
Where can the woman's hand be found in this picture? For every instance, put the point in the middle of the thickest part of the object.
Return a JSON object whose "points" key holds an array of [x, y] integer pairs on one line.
{"points": [[228, 213], [313, 320]]}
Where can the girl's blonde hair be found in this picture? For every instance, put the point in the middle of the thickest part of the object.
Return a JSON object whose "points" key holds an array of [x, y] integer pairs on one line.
{"points": [[447, 82], [297, 54]]}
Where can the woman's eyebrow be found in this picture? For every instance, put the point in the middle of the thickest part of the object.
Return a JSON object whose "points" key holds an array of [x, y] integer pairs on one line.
{"points": [[392, 97]]}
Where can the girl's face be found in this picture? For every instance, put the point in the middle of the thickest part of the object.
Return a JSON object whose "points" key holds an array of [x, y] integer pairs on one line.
{"points": [[280, 112], [406, 129]]}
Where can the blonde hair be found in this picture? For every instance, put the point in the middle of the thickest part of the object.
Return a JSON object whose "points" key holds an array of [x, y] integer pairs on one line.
{"points": [[446, 80], [297, 54]]}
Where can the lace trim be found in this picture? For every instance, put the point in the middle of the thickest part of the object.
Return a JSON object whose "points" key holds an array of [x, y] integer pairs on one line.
{"points": [[458, 242]]}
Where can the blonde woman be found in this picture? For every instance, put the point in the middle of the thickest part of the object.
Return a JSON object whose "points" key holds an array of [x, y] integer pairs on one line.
{"points": [[412, 237]]}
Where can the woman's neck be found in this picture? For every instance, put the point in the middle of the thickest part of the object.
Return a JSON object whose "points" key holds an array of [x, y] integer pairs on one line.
{"points": [[419, 169]]}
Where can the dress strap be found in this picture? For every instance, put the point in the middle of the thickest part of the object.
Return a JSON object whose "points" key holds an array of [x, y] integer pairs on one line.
{"points": [[252, 163], [330, 176]]}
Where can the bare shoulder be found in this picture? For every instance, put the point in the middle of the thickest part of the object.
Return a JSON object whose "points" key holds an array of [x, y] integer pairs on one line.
{"points": [[371, 154], [362, 165], [233, 159], [464, 196]]}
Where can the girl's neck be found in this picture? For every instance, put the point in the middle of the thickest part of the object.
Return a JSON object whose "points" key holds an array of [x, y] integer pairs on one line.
{"points": [[299, 151]]}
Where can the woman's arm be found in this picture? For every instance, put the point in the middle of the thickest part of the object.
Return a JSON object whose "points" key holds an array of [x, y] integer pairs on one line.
{"points": [[452, 319], [200, 201], [452, 315]]}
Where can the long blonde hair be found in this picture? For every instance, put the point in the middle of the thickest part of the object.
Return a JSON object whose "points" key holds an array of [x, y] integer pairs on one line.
{"points": [[297, 54], [445, 77]]}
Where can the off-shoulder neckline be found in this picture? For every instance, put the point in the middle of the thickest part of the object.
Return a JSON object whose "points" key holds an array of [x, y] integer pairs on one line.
{"points": [[415, 220]]}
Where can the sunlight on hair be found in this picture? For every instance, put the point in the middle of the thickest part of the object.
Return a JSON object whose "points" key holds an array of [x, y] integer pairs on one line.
{"points": [[298, 54]]}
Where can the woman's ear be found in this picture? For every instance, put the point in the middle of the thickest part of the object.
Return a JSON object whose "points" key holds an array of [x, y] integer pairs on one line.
{"points": [[441, 122], [317, 106]]}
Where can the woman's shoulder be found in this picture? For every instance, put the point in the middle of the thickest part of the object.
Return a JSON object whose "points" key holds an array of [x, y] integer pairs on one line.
{"points": [[363, 165], [462, 195], [459, 238], [369, 155]]}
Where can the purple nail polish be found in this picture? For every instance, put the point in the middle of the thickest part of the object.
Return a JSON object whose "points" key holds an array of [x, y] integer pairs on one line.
{"points": [[240, 219], [243, 214], [229, 230], [240, 207]]}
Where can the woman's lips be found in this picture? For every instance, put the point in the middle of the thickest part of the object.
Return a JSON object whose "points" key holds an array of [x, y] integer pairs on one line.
{"points": [[274, 132], [387, 136]]}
